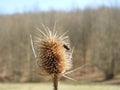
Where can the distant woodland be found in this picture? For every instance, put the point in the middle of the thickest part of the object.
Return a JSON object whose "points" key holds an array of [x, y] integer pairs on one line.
{"points": [[94, 34]]}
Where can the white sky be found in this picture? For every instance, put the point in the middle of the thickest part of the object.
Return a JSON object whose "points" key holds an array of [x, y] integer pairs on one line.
{"points": [[18, 6]]}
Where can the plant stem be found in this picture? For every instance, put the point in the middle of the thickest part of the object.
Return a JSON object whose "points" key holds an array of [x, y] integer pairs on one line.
{"points": [[55, 81]]}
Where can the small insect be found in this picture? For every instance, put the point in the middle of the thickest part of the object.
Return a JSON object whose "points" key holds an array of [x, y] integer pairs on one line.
{"points": [[66, 47]]}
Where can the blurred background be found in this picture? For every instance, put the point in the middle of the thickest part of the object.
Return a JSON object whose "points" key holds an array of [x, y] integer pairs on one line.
{"points": [[93, 27]]}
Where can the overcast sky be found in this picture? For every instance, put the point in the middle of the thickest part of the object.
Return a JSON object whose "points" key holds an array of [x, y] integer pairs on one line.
{"points": [[19, 6]]}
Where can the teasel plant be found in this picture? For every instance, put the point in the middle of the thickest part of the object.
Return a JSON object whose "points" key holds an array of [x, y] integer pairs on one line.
{"points": [[53, 53]]}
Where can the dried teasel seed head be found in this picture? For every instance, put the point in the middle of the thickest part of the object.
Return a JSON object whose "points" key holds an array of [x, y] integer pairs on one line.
{"points": [[53, 52]]}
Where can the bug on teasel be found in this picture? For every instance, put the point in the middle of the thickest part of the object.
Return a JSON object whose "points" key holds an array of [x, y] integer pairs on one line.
{"points": [[52, 52]]}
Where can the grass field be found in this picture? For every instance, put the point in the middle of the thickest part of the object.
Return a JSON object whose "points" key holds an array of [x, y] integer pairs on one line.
{"points": [[48, 86]]}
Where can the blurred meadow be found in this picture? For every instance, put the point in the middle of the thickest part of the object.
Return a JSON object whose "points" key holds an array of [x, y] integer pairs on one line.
{"points": [[48, 86], [94, 34]]}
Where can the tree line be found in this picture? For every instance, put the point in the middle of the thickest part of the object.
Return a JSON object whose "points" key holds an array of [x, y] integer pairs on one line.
{"points": [[94, 34]]}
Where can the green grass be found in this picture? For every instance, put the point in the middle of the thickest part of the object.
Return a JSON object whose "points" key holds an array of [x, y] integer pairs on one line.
{"points": [[48, 86]]}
